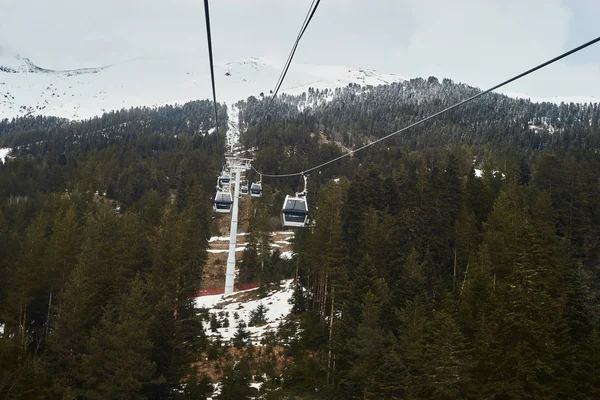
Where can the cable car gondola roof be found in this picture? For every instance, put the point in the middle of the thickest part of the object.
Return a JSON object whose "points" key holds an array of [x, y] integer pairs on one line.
{"points": [[295, 204]]}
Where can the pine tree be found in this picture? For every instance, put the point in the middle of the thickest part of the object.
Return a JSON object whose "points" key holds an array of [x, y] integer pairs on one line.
{"points": [[117, 360], [242, 336], [370, 344], [249, 265], [447, 361], [176, 329]]}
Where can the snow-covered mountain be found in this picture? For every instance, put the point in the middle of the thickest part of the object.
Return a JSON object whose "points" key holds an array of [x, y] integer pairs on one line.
{"points": [[28, 89]]}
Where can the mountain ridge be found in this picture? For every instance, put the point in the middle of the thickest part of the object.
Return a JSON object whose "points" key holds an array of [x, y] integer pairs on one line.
{"points": [[28, 89]]}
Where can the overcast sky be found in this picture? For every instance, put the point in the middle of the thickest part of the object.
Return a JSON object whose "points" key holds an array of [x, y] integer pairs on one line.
{"points": [[480, 42]]}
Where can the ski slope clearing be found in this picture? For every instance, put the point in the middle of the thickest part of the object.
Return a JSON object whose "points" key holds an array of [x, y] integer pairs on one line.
{"points": [[231, 310]]}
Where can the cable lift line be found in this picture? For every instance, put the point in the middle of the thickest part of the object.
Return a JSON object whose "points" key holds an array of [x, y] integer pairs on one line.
{"points": [[307, 19], [445, 110], [212, 69]]}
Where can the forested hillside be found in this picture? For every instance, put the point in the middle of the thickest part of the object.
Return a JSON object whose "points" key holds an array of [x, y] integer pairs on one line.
{"points": [[104, 227], [458, 260]]}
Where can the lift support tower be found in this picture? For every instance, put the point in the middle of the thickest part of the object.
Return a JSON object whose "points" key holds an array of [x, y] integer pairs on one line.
{"points": [[236, 165]]}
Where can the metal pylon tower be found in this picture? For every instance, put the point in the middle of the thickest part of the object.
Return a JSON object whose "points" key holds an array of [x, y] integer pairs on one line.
{"points": [[236, 165]]}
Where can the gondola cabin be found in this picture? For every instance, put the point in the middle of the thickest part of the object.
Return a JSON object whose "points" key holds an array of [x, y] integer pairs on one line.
{"points": [[256, 189], [224, 179], [244, 189], [294, 213], [223, 202]]}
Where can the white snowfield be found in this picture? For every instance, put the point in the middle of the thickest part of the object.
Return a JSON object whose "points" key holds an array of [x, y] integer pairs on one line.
{"points": [[3, 154], [277, 303], [554, 99], [27, 89]]}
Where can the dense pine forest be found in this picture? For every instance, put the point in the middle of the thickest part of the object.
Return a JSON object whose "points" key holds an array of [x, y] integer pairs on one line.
{"points": [[458, 260]]}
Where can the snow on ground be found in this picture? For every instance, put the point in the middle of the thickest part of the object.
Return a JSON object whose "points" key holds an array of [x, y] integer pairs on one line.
{"points": [[27, 89], [287, 255], [3, 154], [225, 250], [289, 233], [233, 133], [479, 173], [223, 238], [156, 81], [554, 99], [277, 303], [217, 387], [1, 329]]}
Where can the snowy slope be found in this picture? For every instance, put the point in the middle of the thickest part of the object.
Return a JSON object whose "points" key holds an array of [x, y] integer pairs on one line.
{"points": [[28, 89], [555, 99], [236, 310]]}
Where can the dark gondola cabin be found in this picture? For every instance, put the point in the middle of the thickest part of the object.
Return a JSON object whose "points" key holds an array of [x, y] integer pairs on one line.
{"points": [[256, 189], [245, 189], [224, 179], [294, 213], [223, 202]]}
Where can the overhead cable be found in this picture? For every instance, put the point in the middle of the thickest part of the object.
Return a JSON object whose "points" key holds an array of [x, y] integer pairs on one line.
{"points": [[212, 70], [445, 110], [307, 19]]}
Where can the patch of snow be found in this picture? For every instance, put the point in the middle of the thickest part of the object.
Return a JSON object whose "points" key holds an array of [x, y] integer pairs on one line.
{"points": [[218, 238], [225, 250], [3, 154], [554, 99], [287, 255], [223, 238], [217, 387], [276, 302], [479, 173]]}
